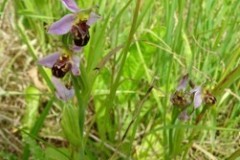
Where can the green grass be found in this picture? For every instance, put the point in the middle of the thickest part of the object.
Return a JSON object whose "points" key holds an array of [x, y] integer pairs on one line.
{"points": [[137, 53]]}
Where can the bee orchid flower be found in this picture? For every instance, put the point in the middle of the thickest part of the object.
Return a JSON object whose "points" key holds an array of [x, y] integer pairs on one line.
{"points": [[60, 64], [202, 97], [181, 98], [76, 23]]}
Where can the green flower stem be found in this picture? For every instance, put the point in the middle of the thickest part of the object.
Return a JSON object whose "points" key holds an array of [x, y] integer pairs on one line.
{"points": [[81, 110], [82, 90], [81, 115], [175, 114]]}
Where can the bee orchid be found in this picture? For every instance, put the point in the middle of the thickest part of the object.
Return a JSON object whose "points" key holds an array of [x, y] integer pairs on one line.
{"points": [[184, 96], [202, 97], [181, 98], [76, 23], [61, 64]]}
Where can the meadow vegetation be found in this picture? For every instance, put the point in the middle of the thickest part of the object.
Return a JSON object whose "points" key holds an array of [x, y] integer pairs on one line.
{"points": [[138, 53]]}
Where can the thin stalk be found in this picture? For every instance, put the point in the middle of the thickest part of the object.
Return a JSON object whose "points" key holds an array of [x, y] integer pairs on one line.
{"points": [[227, 81], [124, 53], [81, 115]]}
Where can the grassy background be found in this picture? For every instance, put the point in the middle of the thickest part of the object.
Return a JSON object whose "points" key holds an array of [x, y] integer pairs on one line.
{"points": [[141, 49]]}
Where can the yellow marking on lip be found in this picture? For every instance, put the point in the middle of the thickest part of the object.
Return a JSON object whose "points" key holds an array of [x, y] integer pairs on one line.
{"points": [[81, 17]]}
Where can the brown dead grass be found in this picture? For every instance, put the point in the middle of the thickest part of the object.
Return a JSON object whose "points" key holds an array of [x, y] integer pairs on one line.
{"points": [[14, 64], [18, 71]]}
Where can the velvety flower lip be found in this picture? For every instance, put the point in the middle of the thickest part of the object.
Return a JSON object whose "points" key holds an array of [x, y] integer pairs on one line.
{"points": [[62, 92], [62, 62], [209, 99], [181, 98], [71, 5]]}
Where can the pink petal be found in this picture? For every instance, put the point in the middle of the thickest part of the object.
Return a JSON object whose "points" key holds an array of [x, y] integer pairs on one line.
{"points": [[183, 83], [49, 60], [196, 89], [92, 18], [75, 66], [63, 25], [183, 116], [76, 48], [71, 5], [197, 100], [62, 92]]}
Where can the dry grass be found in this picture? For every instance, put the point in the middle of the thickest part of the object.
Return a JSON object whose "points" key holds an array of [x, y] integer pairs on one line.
{"points": [[17, 72], [14, 64]]}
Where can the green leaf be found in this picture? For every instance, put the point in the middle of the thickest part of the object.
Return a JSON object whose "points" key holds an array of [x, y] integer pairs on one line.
{"points": [[57, 154], [8, 155], [32, 102], [187, 50], [35, 149], [35, 129], [70, 125]]}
